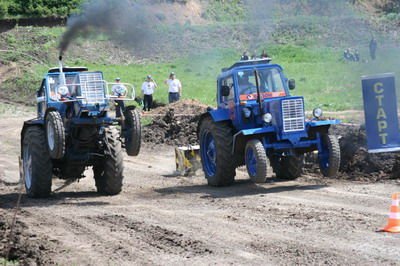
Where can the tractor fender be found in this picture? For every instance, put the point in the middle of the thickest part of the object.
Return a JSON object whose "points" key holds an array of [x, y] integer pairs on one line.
{"points": [[321, 123], [323, 126], [30, 123], [216, 115], [219, 115], [241, 137]]}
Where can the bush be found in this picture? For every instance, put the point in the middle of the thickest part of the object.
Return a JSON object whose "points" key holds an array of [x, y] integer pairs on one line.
{"points": [[43, 8], [3, 10]]}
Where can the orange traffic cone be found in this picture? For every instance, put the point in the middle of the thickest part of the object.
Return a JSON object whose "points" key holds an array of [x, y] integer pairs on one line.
{"points": [[393, 225]]}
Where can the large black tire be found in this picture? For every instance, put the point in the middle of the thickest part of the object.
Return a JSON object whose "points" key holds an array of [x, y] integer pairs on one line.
{"points": [[225, 169], [37, 164], [287, 167], [330, 167], [132, 132], [256, 161], [55, 135], [108, 173]]}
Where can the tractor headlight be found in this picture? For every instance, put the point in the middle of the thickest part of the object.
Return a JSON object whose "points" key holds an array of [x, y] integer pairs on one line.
{"points": [[246, 112], [63, 91], [267, 118], [317, 112]]}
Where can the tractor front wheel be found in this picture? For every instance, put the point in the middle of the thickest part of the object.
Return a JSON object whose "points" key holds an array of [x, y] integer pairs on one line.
{"points": [[329, 156], [256, 161], [216, 142], [55, 135], [132, 132], [36, 162], [108, 173]]}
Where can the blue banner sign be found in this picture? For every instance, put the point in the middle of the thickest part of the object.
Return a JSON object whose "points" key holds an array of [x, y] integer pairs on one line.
{"points": [[380, 109]]}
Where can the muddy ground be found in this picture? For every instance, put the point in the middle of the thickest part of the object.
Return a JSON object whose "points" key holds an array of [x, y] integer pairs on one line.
{"points": [[160, 218]]}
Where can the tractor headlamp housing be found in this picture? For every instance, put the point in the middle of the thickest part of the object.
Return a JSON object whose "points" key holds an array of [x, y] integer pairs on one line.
{"points": [[317, 113], [267, 118], [63, 91], [246, 112]]}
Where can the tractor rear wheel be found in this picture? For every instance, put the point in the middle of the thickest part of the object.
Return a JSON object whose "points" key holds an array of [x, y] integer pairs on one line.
{"points": [[132, 132], [216, 142], [108, 173], [287, 167], [256, 161], [55, 135], [36, 161], [329, 158]]}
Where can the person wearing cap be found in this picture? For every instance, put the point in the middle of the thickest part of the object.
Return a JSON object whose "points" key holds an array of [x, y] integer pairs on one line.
{"points": [[148, 88], [120, 91], [174, 88]]}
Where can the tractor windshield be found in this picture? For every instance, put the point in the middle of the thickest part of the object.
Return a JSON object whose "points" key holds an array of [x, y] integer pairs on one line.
{"points": [[71, 81], [270, 82]]}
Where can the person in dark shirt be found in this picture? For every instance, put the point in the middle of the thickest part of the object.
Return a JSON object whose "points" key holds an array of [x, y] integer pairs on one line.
{"points": [[245, 56], [373, 46], [264, 55], [356, 56]]}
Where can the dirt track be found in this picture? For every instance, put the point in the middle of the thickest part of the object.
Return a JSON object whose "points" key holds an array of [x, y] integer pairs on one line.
{"points": [[162, 219]]}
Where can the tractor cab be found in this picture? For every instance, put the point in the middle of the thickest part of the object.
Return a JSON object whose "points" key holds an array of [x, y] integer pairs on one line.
{"points": [[248, 91], [75, 89]]}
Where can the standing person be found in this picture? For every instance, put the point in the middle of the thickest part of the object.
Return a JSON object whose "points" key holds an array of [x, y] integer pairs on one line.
{"points": [[245, 56], [356, 55], [264, 54], [148, 88], [120, 91], [373, 45], [174, 88], [254, 55]]}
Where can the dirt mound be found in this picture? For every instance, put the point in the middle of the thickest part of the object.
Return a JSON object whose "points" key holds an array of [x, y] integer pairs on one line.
{"points": [[174, 124], [356, 163], [26, 248]]}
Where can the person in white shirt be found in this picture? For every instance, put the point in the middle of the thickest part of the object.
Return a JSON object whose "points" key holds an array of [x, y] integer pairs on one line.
{"points": [[174, 88], [148, 88]]}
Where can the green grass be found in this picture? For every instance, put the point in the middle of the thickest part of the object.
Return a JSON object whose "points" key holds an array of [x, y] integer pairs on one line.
{"points": [[322, 77], [8, 262]]}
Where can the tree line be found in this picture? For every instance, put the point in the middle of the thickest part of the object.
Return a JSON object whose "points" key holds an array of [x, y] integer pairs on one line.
{"points": [[38, 8]]}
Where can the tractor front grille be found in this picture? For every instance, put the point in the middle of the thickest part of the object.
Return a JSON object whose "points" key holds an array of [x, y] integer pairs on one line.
{"points": [[293, 115], [92, 87]]}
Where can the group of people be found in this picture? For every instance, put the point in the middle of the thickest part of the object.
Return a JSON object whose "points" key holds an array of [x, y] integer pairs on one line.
{"points": [[254, 56], [354, 56], [351, 55], [148, 88]]}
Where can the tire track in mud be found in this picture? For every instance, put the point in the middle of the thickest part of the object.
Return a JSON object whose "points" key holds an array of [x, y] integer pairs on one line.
{"points": [[317, 230], [80, 238], [157, 237]]}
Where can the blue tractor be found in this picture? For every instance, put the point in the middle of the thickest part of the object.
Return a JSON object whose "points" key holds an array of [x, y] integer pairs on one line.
{"points": [[257, 121], [74, 130]]}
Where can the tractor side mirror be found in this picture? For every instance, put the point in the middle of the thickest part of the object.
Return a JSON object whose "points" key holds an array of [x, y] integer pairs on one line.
{"points": [[225, 90], [292, 84]]}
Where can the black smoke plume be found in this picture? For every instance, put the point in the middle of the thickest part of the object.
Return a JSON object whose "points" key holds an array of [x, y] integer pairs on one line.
{"points": [[121, 20]]}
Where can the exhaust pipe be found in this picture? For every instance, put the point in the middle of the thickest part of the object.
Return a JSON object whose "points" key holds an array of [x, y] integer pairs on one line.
{"points": [[62, 88], [62, 75]]}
